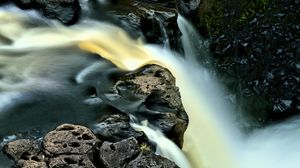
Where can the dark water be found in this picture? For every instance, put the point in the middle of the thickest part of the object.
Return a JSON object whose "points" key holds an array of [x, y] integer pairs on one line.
{"points": [[40, 89]]}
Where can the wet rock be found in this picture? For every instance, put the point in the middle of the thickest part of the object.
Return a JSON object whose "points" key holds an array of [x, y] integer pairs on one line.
{"points": [[66, 11], [188, 7], [69, 139], [156, 21], [150, 160], [128, 154], [74, 161], [116, 128], [119, 153], [259, 65], [23, 149], [150, 94], [125, 153]]}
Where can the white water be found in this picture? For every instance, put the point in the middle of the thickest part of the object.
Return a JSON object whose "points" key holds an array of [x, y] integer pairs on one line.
{"points": [[212, 140]]}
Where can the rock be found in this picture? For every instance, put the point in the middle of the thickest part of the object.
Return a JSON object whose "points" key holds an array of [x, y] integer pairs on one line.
{"points": [[74, 161], [69, 139], [149, 160], [162, 101], [31, 164], [156, 21], [128, 154], [119, 153], [261, 43], [116, 128], [188, 7], [147, 94], [23, 149], [66, 11]]}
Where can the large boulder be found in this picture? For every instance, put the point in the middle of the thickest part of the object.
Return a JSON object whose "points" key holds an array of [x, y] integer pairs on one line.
{"points": [[146, 94]]}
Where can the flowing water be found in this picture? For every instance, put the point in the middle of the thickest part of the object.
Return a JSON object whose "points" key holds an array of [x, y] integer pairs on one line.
{"points": [[57, 67]]}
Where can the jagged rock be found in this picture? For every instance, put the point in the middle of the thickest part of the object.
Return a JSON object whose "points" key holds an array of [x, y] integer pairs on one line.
{"points": [[149, 160], [119, 153], [31, 164], [160, 99], [116, 128], [74, 161], [23, 149], [156, 21], [126, 153], [66, 11], [69, 139], [188, 7]]}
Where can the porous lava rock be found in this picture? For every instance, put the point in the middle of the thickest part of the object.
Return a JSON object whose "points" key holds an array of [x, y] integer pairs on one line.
{"points": [[159, 100], [22, 149], [58, 151], [69, 139]]}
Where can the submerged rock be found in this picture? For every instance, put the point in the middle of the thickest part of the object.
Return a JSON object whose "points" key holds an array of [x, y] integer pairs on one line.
{"points": [[76, 146], [66, 11], [155, 21], [116, 127]]}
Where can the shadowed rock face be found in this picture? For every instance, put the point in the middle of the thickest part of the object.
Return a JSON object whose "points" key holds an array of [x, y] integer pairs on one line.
{"points": [[76, 146], [256, 48], [66, 11]]}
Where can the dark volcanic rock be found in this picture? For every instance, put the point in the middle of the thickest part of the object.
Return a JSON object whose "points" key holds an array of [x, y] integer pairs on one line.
{"points": [[127, 154], [31, 164], [119, 153], [162, 98], [77, 147], [150, 94], [150, 160], [69, 139], [22, 149], [116, 128], [255, 48], [66, 11], [188, 7], [156, 21], [76, 161]]}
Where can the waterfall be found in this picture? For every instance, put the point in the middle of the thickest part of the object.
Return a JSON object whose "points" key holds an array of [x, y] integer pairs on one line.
{"points": [[212, 139]]}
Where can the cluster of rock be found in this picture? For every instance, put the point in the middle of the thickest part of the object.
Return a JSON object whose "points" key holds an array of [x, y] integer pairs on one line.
{"points": [[113, 142], [77, 147], [256, 57]]}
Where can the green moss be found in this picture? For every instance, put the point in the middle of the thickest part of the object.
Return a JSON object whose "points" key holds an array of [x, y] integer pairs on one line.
{"points": [[211, 18], [211, 15], [249, 9], [145, 147]]}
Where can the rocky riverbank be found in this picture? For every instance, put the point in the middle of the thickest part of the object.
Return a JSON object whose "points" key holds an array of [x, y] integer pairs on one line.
{"points": [[76, 146], [112, 141]]}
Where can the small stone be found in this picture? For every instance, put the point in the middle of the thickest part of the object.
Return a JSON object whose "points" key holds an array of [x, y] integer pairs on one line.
{"points": [[72, 161], [149, 160], [119, 153], [69, 139], [22, 148], [116, 128], [31, 164]]}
